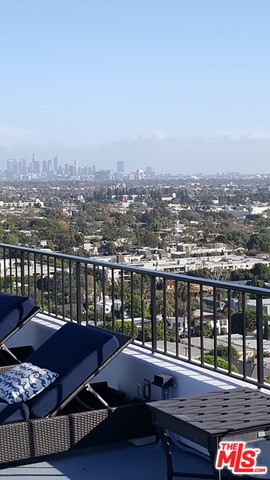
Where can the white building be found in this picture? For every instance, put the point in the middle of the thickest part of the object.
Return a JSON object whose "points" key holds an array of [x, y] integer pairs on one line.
{"points": [[107, 305], [257, 209]]}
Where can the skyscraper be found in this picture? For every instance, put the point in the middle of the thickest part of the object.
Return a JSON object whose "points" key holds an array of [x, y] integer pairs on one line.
{"points": [[23, 166], [45, 167], [120, 167], [75, 168], [55, 164], [10, 166], [35, 165]]}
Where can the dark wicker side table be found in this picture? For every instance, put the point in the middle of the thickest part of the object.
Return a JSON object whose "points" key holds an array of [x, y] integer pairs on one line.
{"points": [[207, 419]]}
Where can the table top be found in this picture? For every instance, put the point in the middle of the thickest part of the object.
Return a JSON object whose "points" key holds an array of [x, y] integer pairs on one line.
{"points": [[219, 414]]}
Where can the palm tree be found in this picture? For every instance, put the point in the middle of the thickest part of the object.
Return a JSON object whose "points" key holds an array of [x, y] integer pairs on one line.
{"points": [[184, 291], [168, 308]]}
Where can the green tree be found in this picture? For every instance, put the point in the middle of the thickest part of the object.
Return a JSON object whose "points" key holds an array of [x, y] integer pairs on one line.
{"points": [[221, 363], [237, 321], [222, 351], [169, 306], [11, 238], [109, 248], [207, 330], [259, 242], [137, 307], [261, 271], [183, 292], [251, 321], [125, 328], [147, 238], [148, 332]]}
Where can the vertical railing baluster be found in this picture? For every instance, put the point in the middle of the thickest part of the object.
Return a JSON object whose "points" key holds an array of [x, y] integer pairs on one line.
{"points": [[70, 290], [22, 274], [164, 290], [86, 293], [153, 314], [132, 304], [142, 309], [49, 284], [55, 287], [215, 326], [78, 291], [5, 270], [259, 316], [113, 305], [29, 273], [35, 278], [63, 288], [201, 326], [41, 283], [95, 294], [177, 337], [244, 350], [10, 271], [122, 301], [16, 274], [103, 299], [189, 322], [229, 299]]}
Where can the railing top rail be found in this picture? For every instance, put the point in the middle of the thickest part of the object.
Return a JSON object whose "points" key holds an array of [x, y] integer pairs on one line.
{"points": [[263, 292]]}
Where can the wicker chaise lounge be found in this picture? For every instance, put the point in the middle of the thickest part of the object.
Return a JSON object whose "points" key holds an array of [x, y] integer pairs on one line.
{"points": [[34, 427], [15, 312]]}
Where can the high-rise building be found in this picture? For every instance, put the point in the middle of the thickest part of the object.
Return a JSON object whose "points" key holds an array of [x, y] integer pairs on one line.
{"points": [[75, 168], [12, 167], [45, 166], [55, 164], [139, 174], [121, 167], [10, 163], [23, 166], [32, 167], [36, 168]]}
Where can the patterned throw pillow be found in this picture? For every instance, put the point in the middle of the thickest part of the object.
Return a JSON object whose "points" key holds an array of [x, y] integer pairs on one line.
{"points": [[24, 381]]}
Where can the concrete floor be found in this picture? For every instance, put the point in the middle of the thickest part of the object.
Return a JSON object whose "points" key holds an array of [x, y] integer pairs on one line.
{"points": [[118, 461]]}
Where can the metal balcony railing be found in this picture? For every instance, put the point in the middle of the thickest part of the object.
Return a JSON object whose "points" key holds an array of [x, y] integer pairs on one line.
{"points": [[216, 325]]}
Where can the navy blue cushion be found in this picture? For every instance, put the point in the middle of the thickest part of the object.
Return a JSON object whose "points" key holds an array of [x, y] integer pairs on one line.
{"points": [[74, 352], [13, 413], [13, 311]]}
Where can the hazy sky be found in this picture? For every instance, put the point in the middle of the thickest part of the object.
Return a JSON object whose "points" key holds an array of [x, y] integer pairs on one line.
{"points": [[180, 85]]}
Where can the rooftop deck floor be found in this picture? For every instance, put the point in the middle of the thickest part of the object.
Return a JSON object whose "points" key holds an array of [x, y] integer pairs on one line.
{"points": [[117, 461]]}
